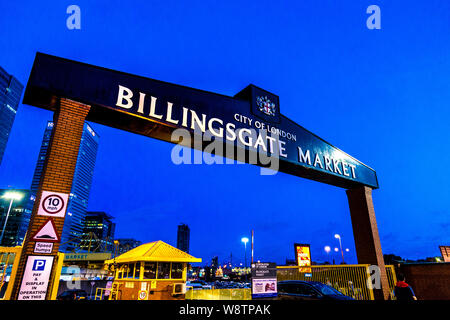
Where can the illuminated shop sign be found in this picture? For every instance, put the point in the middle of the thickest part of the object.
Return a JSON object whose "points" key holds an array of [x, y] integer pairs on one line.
{"points": [[303, 257]]}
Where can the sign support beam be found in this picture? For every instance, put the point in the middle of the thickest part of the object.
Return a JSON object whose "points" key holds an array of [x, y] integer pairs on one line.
{"points": [[365, 233], [56, 177]]}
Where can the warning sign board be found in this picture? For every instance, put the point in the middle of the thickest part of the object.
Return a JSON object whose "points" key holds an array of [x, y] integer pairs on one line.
{"points": [[53, 204], [47, 232], [35, 278], [43, 247]]}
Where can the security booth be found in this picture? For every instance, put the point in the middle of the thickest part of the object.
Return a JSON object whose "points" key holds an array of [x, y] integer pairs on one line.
{"points": [[152, 271]]}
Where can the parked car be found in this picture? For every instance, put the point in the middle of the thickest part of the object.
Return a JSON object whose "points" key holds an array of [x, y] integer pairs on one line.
{"points": [[308, 290], [73, 295], [194, 285], [198, 284]]}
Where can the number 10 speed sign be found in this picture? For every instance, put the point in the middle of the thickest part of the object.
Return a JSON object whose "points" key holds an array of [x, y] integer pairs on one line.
{"points": [[53, 204]]}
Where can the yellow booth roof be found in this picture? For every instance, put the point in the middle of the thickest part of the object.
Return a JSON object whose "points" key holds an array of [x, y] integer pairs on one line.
{"points": [[154, 251]]}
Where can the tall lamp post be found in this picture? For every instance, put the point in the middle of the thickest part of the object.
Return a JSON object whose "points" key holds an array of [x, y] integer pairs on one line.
{"points": [[10, 195], [337, 236], [327, 250], [245, 240]]}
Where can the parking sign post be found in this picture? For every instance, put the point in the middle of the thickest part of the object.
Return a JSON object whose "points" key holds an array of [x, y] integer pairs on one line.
{"points": [[43, 238]]}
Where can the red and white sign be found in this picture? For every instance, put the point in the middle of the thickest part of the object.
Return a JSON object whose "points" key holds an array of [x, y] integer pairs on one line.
{"points": [[47, 232], [53, 204]]}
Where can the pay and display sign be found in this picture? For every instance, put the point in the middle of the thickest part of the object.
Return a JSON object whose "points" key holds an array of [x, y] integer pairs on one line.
{"points": [[264, 280], [35, 278]]}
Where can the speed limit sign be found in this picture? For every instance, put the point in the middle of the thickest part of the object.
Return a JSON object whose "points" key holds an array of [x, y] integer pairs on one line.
{"points": [[53, 204], [143, 295]]}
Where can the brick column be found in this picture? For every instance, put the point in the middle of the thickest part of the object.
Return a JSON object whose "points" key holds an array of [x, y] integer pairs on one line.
{"points": [[57, 176], [365, 232]]}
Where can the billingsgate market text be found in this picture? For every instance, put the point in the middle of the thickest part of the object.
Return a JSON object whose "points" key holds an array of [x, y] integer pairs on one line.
{"points": [[150, 107]]}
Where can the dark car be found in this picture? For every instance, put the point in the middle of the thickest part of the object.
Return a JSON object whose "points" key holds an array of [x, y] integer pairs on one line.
{"points": [[308, 290], [73, 295]]}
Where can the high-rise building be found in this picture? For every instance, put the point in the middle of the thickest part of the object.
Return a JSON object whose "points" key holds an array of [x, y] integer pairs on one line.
{"points": [[215, 262], [183, 235], [15, 212], [98, 232], [81, 185], [10, 92]]}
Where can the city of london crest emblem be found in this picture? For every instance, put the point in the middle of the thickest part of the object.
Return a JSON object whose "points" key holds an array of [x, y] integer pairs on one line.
{"points": [[265, 105]]}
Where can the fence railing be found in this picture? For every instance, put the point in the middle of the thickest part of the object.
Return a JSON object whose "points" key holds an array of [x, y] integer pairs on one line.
{"points": [[351, 280], [102, 293], [392, 279], [112, 293], [218, 294], [9, 261]]}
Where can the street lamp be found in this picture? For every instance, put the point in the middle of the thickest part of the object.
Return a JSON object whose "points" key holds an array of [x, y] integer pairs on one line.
{"points": [[10, 195], [337, 236], [245, 240], [335, 250]]}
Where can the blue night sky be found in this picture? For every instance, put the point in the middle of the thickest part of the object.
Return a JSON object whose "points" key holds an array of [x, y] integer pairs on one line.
{"points": [[380, 95]]}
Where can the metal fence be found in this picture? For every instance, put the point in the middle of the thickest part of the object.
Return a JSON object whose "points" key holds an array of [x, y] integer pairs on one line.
{"points": [[9, 261], [351, 280], [392, 279], [218, 294]]}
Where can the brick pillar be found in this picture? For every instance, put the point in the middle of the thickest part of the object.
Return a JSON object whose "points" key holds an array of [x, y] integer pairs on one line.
{"points": [[57, 176], [365, 232]]}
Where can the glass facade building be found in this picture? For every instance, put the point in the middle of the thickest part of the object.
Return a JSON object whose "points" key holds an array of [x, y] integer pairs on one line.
{"points": [[98, 233], [10, 92], [15, 212], [81, 185], [126, 244]]}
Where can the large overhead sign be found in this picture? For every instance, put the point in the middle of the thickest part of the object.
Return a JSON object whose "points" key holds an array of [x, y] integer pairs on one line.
{"points": [[303, 257], [250, 121], [445, 252]]}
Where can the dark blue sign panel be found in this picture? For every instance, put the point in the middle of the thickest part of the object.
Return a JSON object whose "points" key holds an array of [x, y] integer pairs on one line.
{"points": [[264, 280], [250, 121]]}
